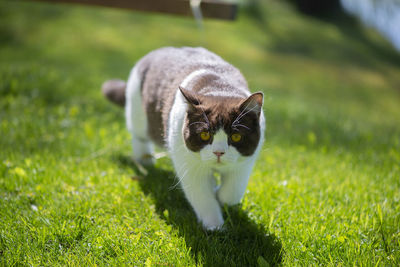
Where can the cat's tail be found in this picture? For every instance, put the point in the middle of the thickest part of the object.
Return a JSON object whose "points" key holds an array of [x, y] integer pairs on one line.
{"points": [[114, 90]]}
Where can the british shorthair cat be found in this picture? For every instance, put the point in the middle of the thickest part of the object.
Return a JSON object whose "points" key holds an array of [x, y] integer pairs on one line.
{"points": [[199, 107]]}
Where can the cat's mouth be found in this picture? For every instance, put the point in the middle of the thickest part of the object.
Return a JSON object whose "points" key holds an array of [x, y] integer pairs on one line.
{"points": [[219, 155], [221, 163]]}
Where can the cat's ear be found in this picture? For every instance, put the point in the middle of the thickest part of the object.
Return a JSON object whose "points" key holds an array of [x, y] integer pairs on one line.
{"points": [[253, 103], [191, 98]]}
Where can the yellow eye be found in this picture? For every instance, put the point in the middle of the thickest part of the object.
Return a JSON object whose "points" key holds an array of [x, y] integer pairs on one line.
{"points": [[205, 136], [236, 137]]}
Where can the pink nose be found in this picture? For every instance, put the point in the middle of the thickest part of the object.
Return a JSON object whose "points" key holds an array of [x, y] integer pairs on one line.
{"points": [[218, 153]]}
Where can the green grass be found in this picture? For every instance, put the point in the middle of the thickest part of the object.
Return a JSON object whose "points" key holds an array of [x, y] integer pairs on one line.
{"points": [[326, 188]]}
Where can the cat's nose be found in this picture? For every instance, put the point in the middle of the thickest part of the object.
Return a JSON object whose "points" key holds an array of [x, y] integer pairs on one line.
{"points": [[218, 153]]}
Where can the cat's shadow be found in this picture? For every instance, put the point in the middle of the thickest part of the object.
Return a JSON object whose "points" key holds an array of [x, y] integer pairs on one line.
{"points": [[241, 243]]}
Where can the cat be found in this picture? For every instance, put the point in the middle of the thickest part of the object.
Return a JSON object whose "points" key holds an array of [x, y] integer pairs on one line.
{"points": [[199, 107]]}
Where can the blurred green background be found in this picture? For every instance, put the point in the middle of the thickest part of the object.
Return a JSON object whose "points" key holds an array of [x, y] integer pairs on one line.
{"points": [[325, 190]]}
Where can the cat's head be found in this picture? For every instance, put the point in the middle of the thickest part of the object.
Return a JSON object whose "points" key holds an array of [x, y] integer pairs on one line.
{"points": [[222, 129]]}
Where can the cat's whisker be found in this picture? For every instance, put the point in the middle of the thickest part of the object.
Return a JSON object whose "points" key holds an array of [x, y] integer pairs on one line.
{"points": [[241, 116], [204, 113], [241, 125], [183, 175], [242, 112], [243, 109], [196, 170], [180, 178], [174, 186], [205, 117], [198, 122]]}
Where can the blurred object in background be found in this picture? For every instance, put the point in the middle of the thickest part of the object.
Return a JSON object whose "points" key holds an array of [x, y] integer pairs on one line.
{"points": [[217, 9], [383, 15], [317, 7]]}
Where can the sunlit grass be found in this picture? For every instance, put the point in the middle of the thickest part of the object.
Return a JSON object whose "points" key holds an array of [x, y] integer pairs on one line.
{"points": [[325, 190]]}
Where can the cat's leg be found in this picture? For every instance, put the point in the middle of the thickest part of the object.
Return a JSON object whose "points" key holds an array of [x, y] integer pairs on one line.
{"points": [[233, 184], [136, 121], [198, 185]]}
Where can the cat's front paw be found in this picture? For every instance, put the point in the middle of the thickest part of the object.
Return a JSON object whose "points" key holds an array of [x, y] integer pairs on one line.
{"points": [[213, 223]]}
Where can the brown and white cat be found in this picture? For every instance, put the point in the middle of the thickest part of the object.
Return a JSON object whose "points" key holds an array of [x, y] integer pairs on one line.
{"points": [[198, 106]]}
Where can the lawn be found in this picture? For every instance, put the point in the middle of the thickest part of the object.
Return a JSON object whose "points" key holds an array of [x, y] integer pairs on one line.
{"points": [[325, 190]]}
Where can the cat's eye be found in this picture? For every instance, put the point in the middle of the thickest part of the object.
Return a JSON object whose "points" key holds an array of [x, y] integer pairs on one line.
{"points": [[236, 137], [205, 136]]}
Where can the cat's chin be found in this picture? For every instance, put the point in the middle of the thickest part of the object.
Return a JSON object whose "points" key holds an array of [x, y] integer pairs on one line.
{"points": [[219, 164]]}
